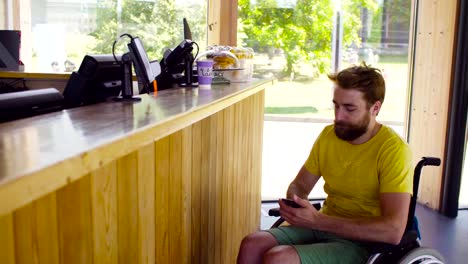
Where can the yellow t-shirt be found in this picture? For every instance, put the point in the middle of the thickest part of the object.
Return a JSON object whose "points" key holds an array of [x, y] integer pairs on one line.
{"points": [[355, 175]]}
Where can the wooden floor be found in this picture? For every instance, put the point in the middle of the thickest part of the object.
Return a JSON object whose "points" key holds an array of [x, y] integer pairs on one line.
{"points": [[444, 234]]}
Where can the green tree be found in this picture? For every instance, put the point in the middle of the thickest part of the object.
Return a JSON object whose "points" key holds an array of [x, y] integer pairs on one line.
{"points": [[106, 27], [302, 31], [391, 20], [157, 23], [396, 16]]}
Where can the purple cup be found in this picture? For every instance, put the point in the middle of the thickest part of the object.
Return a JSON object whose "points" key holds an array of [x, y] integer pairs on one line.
{"points": [[205, 72]]}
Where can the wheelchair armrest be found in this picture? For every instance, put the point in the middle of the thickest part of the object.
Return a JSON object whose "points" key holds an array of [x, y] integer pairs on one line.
{"points": [[276, 211], [409, 237]]}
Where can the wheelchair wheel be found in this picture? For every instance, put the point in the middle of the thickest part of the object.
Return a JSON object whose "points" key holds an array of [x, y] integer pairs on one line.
{"points": [[422, 255]]}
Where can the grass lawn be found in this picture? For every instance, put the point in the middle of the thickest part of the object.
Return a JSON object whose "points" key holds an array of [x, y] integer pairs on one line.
{"points": [[313, 98]]}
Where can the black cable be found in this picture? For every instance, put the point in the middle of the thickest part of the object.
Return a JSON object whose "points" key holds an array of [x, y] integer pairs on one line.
{"points": [[15, 81], [10, 87], [198, 49], [24, 85], [115, 42]]}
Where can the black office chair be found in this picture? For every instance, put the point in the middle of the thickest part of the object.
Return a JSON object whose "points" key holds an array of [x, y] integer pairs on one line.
{"points": [[409, 250]]}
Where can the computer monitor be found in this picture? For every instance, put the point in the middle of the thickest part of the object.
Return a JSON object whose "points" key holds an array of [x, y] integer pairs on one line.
{"points": [[99, 78], [178, 55], [145, 70], [9, 49], [176, 65]]}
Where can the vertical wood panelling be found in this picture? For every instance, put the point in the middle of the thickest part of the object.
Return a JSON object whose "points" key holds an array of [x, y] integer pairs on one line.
{"points": [[178, 208], [222, 22], [75, 222], [36, 232], [187, 198], [252, 161], [246, 143], [214, 14], [227, 206], [127, 208], [179, 229], [218, 132], [205, 178], [259, 106], [196, 193], [237, 200], [104, 208], [47, 229], [25, 235], [246, 134], [431, 88], [7, 240], [175, 194], [212, 194], [186, 195], [162, 190], [146, 221]]}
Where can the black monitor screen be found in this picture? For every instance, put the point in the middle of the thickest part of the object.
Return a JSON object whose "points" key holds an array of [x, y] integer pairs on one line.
{"points": [[99, 77], [9, 49], [179, 53], [187, 31], [141, 62]]}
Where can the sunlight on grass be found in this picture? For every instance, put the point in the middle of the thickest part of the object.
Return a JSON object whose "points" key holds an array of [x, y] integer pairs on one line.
{"points": [[290, 110], [313, 98]]}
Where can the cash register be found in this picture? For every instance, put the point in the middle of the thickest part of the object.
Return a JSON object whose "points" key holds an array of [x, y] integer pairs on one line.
{"points": [[99, 78]]}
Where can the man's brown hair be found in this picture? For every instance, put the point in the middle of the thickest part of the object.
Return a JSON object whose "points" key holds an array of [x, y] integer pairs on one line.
{"points": [[363, 78]]}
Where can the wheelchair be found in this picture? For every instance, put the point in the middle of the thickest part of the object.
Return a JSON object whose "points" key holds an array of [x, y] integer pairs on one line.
{"points": [[409, 250]]}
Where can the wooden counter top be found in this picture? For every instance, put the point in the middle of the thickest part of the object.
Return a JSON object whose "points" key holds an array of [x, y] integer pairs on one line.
{"points": [[32, 75], [41, 154]]}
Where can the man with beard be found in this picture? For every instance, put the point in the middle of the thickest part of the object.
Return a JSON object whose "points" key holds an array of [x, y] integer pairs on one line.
{"points": [[367, 169]]}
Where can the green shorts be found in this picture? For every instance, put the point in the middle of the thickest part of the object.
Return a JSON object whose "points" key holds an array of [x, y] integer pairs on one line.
{"points": [[315, 246]]}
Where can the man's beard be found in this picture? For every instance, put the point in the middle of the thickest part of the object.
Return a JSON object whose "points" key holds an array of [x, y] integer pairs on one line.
{"points": [[350, 132]]}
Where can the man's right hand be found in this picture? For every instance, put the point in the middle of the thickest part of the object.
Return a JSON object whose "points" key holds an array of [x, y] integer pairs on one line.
{"points": [[303, 216]]}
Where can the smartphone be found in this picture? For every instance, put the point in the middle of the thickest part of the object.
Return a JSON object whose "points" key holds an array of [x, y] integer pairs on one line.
{"points": [[291, 203]]}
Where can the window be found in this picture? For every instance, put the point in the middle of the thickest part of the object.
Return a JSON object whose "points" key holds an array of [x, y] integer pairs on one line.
{"points": [[3, 14], [62, 32], [299, 42]]}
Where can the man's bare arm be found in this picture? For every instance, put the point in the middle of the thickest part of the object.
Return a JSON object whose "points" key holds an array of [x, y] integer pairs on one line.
{"points": [[302, 184], [388, 228]]}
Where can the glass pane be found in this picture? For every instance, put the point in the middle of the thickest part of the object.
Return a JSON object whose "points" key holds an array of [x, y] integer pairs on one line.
{"points": [[299, 42], [3, 14], [64, 31]]}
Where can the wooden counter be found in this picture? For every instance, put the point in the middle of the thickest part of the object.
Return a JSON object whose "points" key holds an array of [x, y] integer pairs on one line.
{"points": [[174, 178], [34, 75], [31, 80]]}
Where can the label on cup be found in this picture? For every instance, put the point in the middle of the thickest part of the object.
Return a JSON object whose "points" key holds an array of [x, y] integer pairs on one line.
{"points": [[205, 72]]}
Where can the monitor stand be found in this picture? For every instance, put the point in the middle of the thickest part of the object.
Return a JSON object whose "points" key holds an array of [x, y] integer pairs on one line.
{"points": [[127, 87], [188, 75]]}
